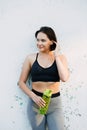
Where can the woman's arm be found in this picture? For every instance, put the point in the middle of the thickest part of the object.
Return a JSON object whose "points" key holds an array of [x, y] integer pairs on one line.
{"points": [[62, 64], [24, 76], [22, 83]]}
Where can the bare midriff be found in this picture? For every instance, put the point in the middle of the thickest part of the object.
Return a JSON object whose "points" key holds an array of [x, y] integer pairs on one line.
{"points": [[42, 86]]}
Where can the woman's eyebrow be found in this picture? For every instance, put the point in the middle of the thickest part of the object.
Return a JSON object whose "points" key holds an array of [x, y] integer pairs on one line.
{"points": [[41, 39]]}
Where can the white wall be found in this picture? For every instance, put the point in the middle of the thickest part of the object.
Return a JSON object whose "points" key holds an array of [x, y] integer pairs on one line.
{"points": [[19, 19]]}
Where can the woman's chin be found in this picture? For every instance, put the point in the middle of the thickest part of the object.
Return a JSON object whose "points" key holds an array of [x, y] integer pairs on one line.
{"points": [[41, 49]]}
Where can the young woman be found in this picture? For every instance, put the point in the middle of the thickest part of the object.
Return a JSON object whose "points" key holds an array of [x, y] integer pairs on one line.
{"points": [[47, 67]]}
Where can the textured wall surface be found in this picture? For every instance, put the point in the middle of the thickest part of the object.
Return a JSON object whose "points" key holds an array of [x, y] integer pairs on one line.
{"points": [[19, 19]]}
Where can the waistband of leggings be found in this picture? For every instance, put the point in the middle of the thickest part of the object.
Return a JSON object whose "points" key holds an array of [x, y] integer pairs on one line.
{"points": [[41, 94]]}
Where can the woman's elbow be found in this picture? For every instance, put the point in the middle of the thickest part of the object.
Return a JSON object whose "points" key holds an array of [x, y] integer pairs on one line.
{"points": [[65, 78], [20, 83]]}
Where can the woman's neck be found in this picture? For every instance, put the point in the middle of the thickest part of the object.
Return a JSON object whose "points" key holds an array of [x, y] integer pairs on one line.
{"points": [[46, 53]]}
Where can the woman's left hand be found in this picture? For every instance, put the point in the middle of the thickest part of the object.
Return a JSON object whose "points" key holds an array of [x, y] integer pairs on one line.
{"points": [[57, 49]]}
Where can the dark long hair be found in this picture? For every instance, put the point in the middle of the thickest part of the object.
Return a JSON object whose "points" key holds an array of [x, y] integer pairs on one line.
{"points": [[50, 34]]}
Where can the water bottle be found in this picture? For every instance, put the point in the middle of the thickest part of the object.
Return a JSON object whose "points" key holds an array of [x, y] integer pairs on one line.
{"points": [[46, 97]]}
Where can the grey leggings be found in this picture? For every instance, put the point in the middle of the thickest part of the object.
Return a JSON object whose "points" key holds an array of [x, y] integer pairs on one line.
{"points": [[53, 120]]}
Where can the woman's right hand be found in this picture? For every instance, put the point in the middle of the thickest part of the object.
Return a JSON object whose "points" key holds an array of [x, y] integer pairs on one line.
{"points": [[38, 100]]}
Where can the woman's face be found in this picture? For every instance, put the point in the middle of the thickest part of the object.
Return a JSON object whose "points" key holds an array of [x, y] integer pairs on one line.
{"points": [[43, 42]]}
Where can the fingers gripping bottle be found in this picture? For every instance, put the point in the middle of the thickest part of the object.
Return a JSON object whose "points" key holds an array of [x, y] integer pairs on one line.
{"points": [[47, 97]]}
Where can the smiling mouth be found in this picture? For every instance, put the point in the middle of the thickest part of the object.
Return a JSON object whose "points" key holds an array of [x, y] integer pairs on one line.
{"points": [[40, 47]]}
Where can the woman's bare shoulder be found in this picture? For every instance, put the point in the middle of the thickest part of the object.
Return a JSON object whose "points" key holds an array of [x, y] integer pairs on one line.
{"points": [[31, 57]]}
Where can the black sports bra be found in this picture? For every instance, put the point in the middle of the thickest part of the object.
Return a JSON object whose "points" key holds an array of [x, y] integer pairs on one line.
{"points": [[39, 73]]}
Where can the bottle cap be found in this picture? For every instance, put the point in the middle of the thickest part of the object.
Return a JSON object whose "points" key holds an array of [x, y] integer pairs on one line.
{"points": [[48, 92]]}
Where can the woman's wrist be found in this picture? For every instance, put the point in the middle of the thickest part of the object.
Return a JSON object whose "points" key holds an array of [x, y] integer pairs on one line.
{"points": [[31, 94], [56, 56]]}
